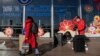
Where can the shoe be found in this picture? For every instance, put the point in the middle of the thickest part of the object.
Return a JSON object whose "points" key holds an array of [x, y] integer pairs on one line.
{"points": [[22, 54], [37, 55]]}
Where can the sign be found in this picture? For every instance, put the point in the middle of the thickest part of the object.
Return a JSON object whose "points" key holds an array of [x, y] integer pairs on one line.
{"points": [[24, 2], [9, 8]]}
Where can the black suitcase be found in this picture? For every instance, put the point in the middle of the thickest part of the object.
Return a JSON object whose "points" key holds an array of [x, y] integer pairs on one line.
{"points": [[59, 39], [79, 43]]}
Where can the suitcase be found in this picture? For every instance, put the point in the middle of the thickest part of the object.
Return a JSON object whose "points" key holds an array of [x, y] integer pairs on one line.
{"points": [[59, 39], [79, 43]]}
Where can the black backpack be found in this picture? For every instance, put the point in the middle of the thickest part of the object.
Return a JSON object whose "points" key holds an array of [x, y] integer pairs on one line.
{"points": [[34, 28]]}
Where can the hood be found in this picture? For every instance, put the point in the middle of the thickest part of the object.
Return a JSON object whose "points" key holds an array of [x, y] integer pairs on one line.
{"points": [[28, 21]]}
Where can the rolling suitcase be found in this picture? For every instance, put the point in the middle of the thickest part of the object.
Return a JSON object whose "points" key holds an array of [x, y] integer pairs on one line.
{"points": [[59, 38], [79, 43]]}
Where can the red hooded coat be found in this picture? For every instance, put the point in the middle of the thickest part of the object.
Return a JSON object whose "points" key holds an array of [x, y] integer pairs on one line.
{"points": [[29, 36], [81, 26]]}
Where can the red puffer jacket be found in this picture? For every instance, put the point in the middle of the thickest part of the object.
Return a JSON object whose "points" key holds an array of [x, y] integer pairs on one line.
{"points": [[29, 36], [81, 26]]}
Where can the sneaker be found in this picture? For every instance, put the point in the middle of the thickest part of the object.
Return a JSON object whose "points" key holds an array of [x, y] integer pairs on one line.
{"points": [[37, 55]]}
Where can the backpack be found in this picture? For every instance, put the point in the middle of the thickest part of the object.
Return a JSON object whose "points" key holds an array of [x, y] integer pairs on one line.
{"points": [[34, 28]]}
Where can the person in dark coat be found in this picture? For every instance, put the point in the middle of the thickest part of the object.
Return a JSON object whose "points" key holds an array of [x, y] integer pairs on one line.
{"points": [[30, 36]]}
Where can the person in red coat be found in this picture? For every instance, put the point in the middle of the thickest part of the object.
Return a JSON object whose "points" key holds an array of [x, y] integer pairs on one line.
{"points": [[30, 37], [80, 24]]}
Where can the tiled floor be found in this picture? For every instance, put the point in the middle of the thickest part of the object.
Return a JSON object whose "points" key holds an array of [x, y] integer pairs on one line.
{"points": [[46, 49], [66, 50]]}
